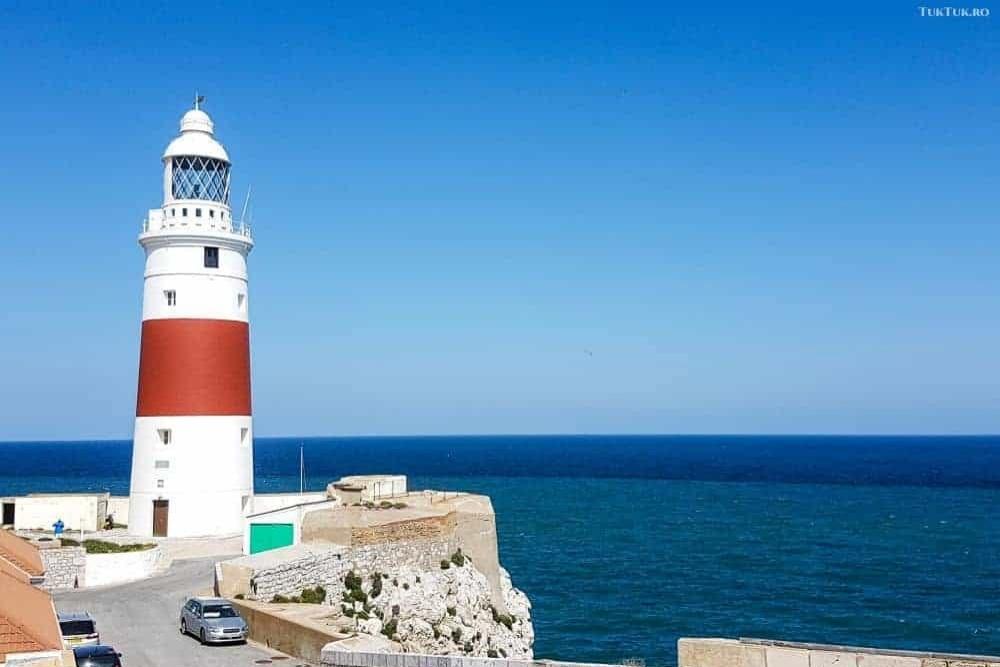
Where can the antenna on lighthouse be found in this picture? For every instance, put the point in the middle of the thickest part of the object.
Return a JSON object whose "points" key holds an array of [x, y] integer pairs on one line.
{"points": [[246, 204], [198, 100]]}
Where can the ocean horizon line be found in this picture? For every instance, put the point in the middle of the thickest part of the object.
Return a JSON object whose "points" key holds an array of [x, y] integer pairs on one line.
{"points": [[466, 436]]}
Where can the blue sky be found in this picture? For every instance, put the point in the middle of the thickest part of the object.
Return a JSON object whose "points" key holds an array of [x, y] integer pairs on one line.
{"points": [[523, 218]]}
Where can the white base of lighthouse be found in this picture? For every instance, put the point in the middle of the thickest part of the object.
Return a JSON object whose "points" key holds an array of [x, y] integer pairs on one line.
{"points": [[191, 476]]}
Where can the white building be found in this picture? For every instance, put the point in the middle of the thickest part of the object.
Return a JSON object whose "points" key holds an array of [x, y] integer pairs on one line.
{"points": [[192, 465]]}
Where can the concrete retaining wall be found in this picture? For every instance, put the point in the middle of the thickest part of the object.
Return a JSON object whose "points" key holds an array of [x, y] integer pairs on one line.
{"points": [[693, 653], [107, 569], [332, 656], [282, 633], [73, 567], [765, 653]]}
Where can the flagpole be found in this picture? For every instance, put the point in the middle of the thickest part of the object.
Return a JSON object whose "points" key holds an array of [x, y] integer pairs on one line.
{"points": [[302, 469]]}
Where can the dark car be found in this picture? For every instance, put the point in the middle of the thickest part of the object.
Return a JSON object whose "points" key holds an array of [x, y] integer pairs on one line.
{"points": [[97, 656]]}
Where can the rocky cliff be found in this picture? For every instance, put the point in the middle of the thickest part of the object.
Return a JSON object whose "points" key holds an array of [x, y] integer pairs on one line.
{"points": [[448, 611]]}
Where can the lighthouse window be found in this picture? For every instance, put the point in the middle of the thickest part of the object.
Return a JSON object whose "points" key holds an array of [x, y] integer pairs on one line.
{"points": [[160, 465], [184, 212], [197, 213], [241, 299], [211, 257], [159, 483], [195, 177], [164, 434], [171, 297]]}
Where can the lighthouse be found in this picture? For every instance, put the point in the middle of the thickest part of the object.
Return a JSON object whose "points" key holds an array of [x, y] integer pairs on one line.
{"points": [[192, 453]]}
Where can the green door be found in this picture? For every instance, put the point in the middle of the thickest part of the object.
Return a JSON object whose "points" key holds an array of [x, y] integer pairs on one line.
{"points": [[267, 536]]}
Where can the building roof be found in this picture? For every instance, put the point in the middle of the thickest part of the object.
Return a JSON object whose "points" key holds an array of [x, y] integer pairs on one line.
{"points": [[27, 618], [196, 138], [21, 554]]}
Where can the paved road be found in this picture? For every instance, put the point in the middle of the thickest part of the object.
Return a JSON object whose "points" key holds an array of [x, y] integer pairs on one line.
{"points": [[140, 619]]}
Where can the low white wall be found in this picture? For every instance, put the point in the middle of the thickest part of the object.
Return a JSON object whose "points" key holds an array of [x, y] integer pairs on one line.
{"points": [[118, 507], [266, 502], [106, 569], [77, 510]]}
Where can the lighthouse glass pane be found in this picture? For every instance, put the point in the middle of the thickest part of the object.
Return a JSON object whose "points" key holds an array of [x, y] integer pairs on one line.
{"points": [[196, 177]]}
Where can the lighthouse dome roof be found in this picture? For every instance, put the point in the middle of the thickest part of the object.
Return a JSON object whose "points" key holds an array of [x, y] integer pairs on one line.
{"points": [[196, 138]]}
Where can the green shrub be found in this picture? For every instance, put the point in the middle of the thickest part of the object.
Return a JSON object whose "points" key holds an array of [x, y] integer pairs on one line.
{"points": [[385, 504], [313, 595], [278, 599], [67, 542], [468, 647], [389, 629], [376, 589], [492, 654], [348, 611], [102, 547], [456, 635], [504, 619], [239, 596], [503, 653], [418, 578], [451, 611], [445, 565], [352, 580], [437, 633], [458, 558], [399, 506], [406, 586]]}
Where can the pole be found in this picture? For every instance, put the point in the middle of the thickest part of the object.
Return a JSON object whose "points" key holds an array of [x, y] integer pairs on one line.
{"points": [[302, 469]]}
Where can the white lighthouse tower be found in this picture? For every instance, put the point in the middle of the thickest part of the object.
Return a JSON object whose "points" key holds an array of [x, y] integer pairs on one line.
{"points": [[192, 460]]}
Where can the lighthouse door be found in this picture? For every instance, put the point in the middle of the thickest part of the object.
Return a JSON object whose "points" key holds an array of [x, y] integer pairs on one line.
{"points": [[160, 508]]}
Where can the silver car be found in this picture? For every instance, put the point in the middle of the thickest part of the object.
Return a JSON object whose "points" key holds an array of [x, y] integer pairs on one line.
{"points": [[213, 621]]}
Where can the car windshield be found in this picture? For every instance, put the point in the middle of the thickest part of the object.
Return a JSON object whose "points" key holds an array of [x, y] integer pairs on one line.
{"points": [[70, 628], [98, 661], [219, 611]]}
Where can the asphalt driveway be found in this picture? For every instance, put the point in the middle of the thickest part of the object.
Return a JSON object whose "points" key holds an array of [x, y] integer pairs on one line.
{"points": [[141, 620]]}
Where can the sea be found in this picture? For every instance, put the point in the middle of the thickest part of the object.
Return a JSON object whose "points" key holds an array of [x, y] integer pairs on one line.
{"points": [[625, 543]]}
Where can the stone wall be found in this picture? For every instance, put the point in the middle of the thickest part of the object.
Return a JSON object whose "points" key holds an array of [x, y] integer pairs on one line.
{"points": [[764, 653], [328, 568], [413, 529], [65, 567]]}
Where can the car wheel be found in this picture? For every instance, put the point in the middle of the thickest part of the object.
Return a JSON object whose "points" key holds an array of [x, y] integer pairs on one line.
{"points": [[184, 627], [202, 636]]}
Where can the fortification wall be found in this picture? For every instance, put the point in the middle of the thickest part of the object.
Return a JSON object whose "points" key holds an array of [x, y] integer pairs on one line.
{"points": [[307, 569]]}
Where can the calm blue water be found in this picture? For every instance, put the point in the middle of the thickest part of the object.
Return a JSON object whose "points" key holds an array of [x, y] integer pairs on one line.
{"points": [[626, 543]]}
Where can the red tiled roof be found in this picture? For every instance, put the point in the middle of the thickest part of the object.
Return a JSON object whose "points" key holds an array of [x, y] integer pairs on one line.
{"points": [[28, 620], [23, 554]]}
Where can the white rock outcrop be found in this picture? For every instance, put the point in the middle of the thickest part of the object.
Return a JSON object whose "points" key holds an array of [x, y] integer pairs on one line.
{"points": [[449, 612]]}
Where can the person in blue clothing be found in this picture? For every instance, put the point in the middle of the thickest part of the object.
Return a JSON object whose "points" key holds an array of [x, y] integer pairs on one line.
{"points": [[58, 527]]}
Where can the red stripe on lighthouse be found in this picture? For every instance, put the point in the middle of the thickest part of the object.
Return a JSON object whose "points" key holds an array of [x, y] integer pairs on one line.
{"points": [[194, 368]]}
